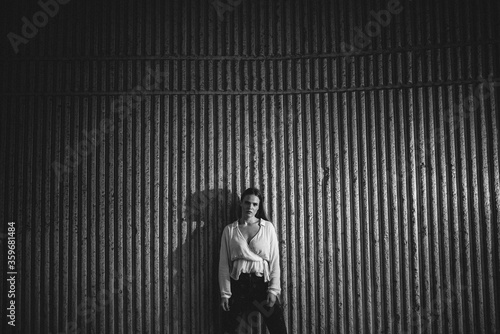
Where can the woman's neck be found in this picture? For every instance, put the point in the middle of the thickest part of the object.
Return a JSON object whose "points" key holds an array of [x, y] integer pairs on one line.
{"points": [[249, 221]]}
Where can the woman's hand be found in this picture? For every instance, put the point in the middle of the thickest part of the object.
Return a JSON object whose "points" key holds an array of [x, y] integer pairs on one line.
{"points": [[271, 299], [224, 303]]}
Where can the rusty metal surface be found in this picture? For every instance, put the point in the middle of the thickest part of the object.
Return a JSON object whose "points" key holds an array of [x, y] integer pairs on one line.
{"points": [[128, 131]]}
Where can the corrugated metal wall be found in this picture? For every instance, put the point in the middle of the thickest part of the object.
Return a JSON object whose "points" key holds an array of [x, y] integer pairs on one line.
{"points": [[128, 131]]}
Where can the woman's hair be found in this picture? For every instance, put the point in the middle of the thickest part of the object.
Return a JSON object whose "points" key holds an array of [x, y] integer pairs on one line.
{"points": [[261, 213]]}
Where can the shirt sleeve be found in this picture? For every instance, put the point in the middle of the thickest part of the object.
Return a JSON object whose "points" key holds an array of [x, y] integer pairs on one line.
{"points": [[274, 263], [224, 258]]}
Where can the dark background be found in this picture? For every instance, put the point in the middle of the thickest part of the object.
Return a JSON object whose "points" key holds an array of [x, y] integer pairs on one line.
{"points": [[380, 164]]}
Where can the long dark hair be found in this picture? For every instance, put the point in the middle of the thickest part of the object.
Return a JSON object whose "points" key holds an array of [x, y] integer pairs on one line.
{"points": [[261, 213]]}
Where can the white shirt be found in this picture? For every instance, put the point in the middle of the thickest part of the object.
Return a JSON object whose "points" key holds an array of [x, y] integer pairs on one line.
{"points": [[260, 256]]}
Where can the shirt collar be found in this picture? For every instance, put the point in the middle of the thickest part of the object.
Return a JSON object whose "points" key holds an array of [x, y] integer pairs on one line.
{"points": [[262, 222]]}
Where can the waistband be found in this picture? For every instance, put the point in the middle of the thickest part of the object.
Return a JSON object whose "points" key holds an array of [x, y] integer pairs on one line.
{"points": [[250, 277]]}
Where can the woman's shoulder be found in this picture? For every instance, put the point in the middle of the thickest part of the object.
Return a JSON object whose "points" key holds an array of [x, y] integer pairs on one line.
{"points": [[230, 225], [267, 224]]}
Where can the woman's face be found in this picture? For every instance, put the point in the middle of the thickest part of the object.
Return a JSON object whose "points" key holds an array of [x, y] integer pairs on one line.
{"points": [[249, 206]]}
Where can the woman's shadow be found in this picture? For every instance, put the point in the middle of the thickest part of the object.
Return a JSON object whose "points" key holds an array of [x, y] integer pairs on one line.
{"points": [[206, 214]]}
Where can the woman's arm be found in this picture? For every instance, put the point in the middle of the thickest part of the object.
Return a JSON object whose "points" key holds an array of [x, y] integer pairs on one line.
{"points": [[224, 258], [274, 263]]}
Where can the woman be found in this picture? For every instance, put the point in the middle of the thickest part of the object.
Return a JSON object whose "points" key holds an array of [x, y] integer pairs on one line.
{"points": [[249, 269]]}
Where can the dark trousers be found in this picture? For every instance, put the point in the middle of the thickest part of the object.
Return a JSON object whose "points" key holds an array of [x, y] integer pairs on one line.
{"points": [[249, 297]]}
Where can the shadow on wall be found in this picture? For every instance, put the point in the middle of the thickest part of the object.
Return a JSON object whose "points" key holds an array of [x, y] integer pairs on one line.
{"points": [[196, 275]]}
